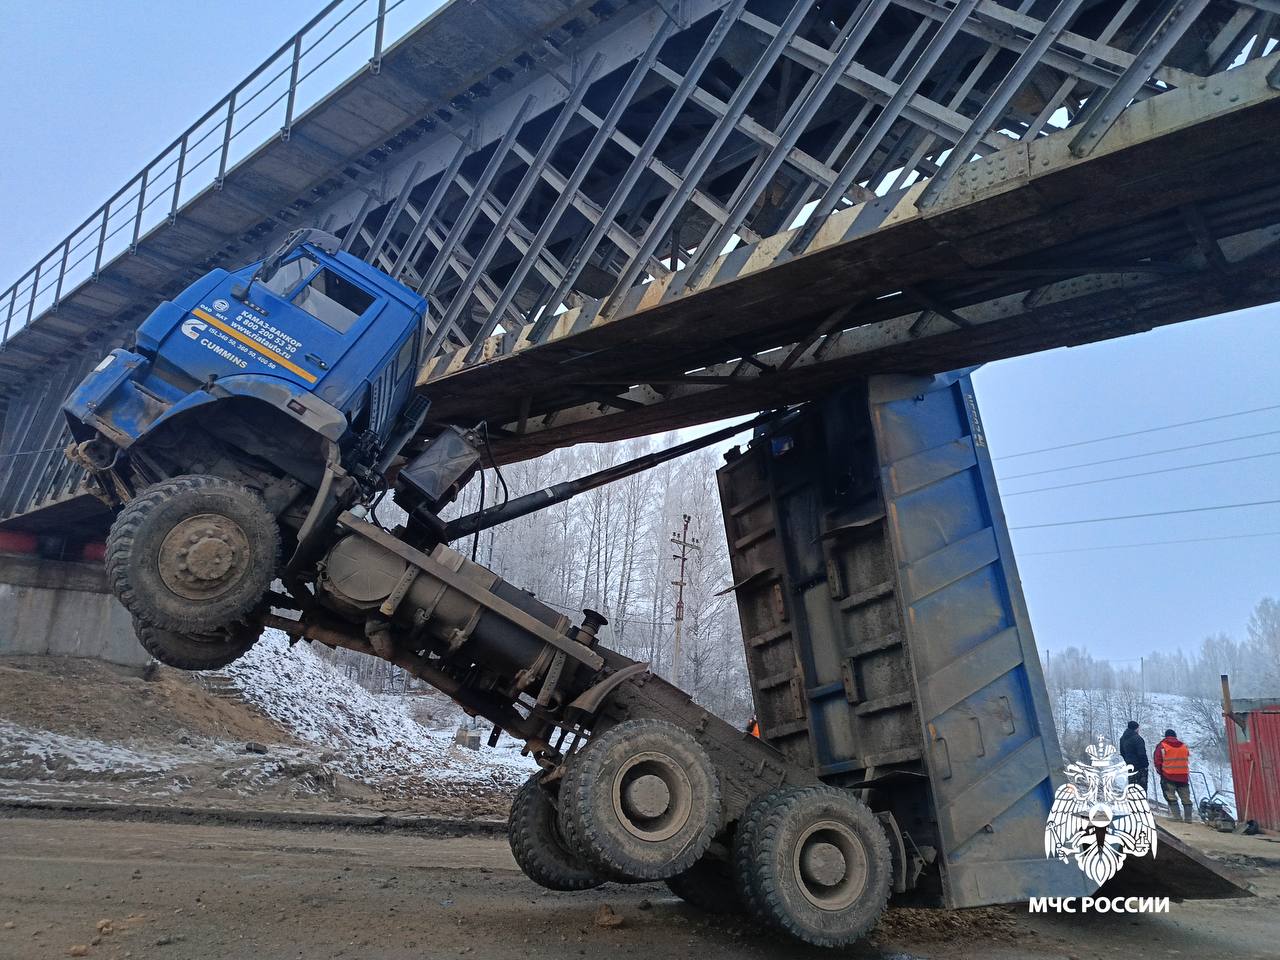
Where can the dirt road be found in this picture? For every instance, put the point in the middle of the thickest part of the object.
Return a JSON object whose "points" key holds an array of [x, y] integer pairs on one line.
{"points": [[202, 892]]}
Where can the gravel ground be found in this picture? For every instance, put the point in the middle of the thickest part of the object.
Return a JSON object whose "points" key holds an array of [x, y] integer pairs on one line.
{"points": [[233, 893]]}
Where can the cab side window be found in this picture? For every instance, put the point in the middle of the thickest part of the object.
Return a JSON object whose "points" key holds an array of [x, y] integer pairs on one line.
{"points": [[404, 360]]}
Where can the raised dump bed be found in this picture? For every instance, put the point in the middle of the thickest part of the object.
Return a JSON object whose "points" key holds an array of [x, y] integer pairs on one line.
{"points": [[887, 637]]}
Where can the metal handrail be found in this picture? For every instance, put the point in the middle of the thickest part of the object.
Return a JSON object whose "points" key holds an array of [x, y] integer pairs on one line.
{"points": [[180, 168]]}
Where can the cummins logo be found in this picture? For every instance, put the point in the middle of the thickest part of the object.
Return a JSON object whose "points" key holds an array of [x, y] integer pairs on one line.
{"points": [[1098, 817], [193, 327]]}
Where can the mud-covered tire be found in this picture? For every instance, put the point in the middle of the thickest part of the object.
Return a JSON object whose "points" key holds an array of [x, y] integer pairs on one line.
{"points": [[192, 554], [819, 865], [192, 652], [709, 885], [537, 845], [744, 844], [567, 826], [641, 801]]}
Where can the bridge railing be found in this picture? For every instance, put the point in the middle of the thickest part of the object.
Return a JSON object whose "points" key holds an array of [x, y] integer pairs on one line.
{"points": [[344, 36]]}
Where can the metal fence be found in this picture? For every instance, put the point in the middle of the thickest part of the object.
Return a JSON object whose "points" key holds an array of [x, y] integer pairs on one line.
{"points": [[340, 38]]}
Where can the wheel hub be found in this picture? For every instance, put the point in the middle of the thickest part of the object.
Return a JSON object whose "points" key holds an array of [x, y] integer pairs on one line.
{"points": [[646, 797], [203, 556], [823, 862], [652, 796], [830, 865]]}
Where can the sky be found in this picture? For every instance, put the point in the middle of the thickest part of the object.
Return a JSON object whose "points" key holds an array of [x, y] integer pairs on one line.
{"points": [[94, 90]]}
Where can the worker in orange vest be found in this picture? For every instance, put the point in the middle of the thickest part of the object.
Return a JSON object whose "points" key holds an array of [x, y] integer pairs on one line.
{"points": [[753, 727], [1173, 766]]}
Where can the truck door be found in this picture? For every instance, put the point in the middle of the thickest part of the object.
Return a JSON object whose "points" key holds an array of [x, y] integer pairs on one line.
{"points": [[338, 310]]}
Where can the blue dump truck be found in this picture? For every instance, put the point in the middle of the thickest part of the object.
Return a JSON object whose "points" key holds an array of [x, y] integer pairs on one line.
{"points": [[907, 746]]}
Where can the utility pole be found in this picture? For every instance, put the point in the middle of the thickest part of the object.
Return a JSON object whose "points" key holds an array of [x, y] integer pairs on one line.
{"points": [[681, 540]]}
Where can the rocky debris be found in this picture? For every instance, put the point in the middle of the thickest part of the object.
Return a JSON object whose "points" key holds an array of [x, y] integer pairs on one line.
{"points": [[79, 950], [253, 746], [923, 925], [605, 917]]}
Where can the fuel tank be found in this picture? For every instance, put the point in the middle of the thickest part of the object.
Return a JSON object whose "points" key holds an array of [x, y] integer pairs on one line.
{"points": [[460, 609]]}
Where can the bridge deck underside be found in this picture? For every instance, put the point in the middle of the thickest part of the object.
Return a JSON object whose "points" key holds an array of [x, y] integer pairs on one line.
{"points": [[643, 215], [1172, 220]]}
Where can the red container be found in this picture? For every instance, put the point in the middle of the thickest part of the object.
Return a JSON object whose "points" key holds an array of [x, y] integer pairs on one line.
{"points": [[1253, 738]]}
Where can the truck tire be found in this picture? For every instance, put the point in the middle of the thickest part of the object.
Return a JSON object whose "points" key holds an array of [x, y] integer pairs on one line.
{"points": [[193, 652], [708, 885], [744, 845], [537, 846], [641, 801], [192, 554], [819, 864]]}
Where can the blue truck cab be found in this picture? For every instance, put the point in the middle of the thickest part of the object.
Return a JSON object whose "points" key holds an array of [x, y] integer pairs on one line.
{"points": [[289, 376]]}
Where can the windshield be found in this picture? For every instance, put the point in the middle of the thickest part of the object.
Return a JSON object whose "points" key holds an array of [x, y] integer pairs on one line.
{"points": [[287, 278], [333, 300]]}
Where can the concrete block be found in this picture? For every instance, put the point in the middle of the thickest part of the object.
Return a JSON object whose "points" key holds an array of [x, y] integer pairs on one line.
{"points": [[59, 608]]}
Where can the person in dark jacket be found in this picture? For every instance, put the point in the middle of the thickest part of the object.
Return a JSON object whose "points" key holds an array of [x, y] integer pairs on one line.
{"points": [[1134, 751], [1173, 765]]}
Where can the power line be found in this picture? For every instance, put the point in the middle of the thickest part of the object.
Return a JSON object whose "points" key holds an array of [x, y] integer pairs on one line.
{"points": [[23, 453], [1145, 473], [1138, 516], [569, 608], [1138, 456], [1146, 543], [1136, 433]]}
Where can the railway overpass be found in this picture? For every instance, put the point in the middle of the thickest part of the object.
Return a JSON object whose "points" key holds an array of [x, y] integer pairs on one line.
{"points": [[632, 216]]}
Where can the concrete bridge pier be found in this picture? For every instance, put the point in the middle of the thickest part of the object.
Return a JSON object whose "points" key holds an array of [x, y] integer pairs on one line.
{"points": [[54, 601]]}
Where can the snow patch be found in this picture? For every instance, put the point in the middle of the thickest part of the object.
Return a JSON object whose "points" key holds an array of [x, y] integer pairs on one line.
{"points": [[375, 738], [42, 754]]}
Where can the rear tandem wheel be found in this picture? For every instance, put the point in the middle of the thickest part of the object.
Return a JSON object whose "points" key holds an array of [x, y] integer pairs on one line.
{"points": [[815, 862], [640, 802], [536, 843], [195, 651], [708, 885]]}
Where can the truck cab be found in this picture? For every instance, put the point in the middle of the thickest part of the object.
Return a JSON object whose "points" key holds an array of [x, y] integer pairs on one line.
{"points": [[249, 412], [272, 363]]}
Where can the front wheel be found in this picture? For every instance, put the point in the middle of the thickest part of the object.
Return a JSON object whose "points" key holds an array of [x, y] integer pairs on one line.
{"points": [[194, 652], [193, 554]]}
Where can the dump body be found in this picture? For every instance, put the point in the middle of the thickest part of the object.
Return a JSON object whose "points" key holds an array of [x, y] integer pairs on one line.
{"points": [[886, 634]]}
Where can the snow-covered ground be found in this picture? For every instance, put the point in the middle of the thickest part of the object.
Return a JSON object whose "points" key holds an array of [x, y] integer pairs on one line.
{"points": [[36, 764], [374, 739], [43, 752], [1082, 715], [82, 730]]}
